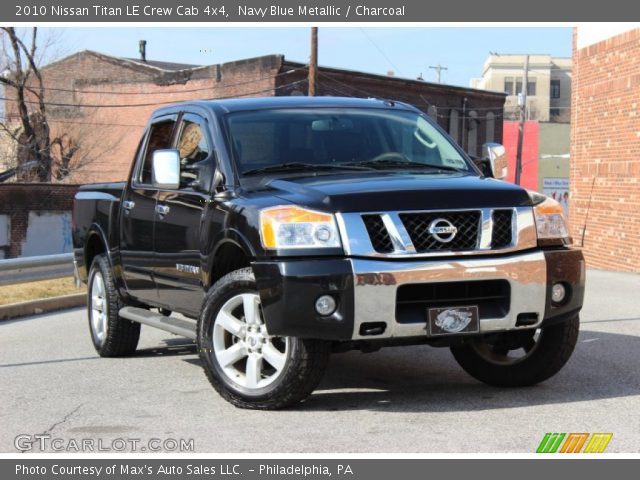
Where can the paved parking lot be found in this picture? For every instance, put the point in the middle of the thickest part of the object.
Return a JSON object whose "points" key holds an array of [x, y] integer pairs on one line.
{"points": [[397, 400]]}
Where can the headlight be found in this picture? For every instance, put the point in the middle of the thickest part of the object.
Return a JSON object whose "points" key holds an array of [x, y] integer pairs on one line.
{"points": [[295, 227], [549, 216]]}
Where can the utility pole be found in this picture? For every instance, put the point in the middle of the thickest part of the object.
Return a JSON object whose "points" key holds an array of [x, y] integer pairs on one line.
{"points": [[523, 111], [313, 62], [438, 68]]}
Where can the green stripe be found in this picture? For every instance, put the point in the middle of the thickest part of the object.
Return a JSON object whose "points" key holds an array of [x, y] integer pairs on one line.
{"points": [[557, 444], [543, 443]]}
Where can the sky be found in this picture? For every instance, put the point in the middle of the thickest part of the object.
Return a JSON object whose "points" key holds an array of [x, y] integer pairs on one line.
{"points": [[407, 51]]}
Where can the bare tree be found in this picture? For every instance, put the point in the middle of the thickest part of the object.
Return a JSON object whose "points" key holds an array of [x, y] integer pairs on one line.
{"points": [[51, 153], [25, 88]]}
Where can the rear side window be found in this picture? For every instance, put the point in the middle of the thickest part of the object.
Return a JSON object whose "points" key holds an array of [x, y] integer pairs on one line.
{"points": [[160, 137]]}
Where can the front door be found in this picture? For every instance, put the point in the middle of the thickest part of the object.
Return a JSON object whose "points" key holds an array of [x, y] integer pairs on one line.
{"points": [[138, 215], [179, 216]]}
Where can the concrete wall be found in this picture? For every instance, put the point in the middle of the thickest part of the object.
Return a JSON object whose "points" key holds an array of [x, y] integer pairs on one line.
{"points": [[35, 219], [554, 152], [605, 148]]}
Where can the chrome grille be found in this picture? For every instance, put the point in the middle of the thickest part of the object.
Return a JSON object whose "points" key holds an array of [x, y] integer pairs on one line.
{"points": [[407, 233], [466, 238], [502, 229], [378, 233]]}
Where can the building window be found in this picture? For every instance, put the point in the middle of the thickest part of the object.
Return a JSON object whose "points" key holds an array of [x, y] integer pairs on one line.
{"points": [[518, 86], [555, 88], [554, 112], [531, 87], [508, 85], [491, 127]]}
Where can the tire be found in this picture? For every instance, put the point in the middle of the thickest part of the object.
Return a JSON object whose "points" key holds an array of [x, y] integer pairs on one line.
{"points": [[246, 366], [112, 336], [546, 351]]}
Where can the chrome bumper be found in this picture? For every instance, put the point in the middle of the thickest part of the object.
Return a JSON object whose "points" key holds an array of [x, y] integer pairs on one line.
{"points": [[376, 283]]}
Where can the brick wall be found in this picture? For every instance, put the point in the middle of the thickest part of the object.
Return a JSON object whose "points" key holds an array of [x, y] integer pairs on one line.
{"points": [[17, 201], [605, 152]]}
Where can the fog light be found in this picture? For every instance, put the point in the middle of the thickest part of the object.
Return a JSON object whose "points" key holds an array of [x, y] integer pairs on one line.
{"points": [[325, 305], [558, 293]]}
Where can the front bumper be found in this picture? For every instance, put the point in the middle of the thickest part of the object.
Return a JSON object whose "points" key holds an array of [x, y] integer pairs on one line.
{"points": [[369, 299]]}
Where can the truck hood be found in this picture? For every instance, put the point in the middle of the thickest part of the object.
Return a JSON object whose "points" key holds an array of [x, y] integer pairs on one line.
{"points": [[398, 191]]}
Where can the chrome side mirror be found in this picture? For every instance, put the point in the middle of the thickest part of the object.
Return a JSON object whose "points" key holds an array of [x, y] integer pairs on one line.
{"points": [[496, 155], [166, 169]]}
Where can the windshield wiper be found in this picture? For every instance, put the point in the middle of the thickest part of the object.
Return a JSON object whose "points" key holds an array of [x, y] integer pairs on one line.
{"points": [[405, 163], [301, 166]]}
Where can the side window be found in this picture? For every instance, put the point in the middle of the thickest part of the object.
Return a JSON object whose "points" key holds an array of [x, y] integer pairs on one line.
{"points": [[193, 148], [159, 138]]}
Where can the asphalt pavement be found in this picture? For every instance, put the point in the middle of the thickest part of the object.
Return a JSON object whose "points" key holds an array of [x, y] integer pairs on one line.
{"points": [[411, 399]]}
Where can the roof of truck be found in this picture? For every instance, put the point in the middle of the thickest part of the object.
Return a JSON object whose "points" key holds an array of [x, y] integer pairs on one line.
{"points": [[259, 103]]}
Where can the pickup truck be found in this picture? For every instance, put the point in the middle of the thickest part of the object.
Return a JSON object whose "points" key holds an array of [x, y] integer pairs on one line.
{"points": [[275, 231]]}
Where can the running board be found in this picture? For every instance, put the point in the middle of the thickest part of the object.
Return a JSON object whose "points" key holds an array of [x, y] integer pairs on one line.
{"points": [[181, 327]]}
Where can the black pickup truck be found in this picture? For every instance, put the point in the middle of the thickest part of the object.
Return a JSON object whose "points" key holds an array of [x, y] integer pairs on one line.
{"points": [[275, 231]]}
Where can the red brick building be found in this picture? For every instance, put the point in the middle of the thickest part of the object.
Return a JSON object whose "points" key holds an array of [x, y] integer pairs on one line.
{"points": [[605, 146], [102, 102]]}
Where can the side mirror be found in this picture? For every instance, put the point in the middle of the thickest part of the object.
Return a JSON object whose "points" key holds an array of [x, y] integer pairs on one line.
{"points": [[166, 169], [496, 156]]}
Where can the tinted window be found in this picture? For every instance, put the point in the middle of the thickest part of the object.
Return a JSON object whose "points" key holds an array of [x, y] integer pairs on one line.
{"points": [[333, 136], [159, 138]]}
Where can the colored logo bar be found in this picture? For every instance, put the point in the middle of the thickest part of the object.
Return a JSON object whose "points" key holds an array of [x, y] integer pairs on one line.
{"points": [[574, 443]]}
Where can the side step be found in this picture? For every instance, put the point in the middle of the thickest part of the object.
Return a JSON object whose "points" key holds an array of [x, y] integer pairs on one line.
{"points": [[184, 328]]}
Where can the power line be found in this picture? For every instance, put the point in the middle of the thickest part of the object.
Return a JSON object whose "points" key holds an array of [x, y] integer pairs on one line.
{"points": [[79, 105], [380, 50], [105, 124], [202, 89]]}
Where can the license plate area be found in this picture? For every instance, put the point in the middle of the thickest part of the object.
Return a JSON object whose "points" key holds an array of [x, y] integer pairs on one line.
{"points": [[453, 320]]}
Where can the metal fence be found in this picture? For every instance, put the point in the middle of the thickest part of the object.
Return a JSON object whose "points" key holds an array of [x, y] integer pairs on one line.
{"points": [[29, 269]]}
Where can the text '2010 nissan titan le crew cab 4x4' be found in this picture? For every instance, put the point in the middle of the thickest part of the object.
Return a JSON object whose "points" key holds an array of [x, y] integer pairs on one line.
{"points": [[274, 231]]}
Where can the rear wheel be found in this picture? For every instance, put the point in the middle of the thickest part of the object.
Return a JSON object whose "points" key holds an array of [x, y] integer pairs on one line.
{"points": [[522, 358], [112, 336], [246, 365]]}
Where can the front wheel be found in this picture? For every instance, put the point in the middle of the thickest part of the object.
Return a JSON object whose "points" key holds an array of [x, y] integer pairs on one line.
{"points": [[245, 364], [522, 358]]}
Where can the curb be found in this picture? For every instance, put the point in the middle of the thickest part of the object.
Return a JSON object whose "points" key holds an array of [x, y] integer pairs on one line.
{"points": [[43, 305]]}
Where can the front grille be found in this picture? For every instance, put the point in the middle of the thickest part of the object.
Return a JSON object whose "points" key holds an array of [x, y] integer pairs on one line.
{"points": [[378, 233], [502, 229], [466, 238], [493, 298]]}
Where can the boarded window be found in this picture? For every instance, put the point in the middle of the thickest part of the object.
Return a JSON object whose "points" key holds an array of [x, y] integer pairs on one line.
{"points": [[472, 134], [454, 125]]}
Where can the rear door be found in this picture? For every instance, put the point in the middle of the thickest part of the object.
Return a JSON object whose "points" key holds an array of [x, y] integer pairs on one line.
{"points": [[179, 216], [139, 212]]}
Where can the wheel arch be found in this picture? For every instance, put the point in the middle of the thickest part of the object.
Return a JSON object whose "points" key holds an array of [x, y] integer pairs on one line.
{"points": [[232, 252]]}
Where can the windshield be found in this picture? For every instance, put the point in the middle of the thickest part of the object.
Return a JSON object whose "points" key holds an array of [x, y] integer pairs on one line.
{"points": [[338, 138]]}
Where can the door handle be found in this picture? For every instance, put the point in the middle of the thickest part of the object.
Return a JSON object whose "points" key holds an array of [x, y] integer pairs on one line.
{"points": [[162, 209], [128, 204]]}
